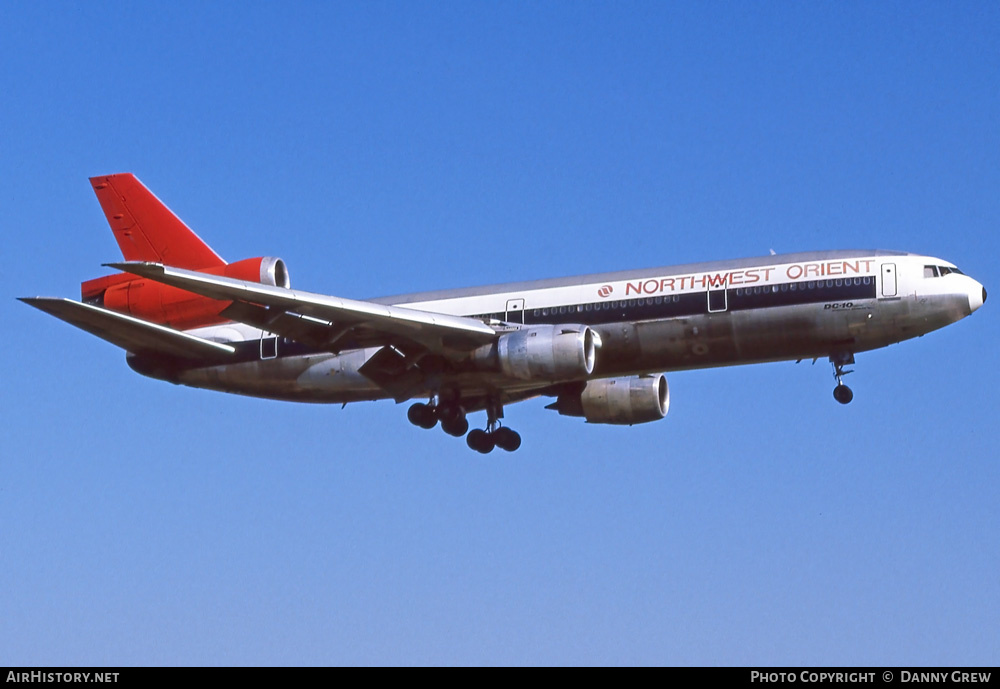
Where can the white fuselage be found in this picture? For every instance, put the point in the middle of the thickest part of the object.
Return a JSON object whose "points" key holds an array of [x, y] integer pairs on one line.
{"points": [[724, 313]]}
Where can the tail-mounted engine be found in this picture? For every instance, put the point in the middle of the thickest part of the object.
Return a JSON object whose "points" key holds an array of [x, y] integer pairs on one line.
{"points": [[177, 308], [545, 353], [620, 401]]}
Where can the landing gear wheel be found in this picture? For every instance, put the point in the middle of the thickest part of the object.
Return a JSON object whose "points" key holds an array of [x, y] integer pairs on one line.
{"points": [[506, 439], [480, 441], [843, 394], [421, 415], [456, 427], [449, 413]]}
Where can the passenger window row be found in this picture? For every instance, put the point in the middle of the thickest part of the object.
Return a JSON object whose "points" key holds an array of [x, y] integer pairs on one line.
{"points": [[796, 286], [694, 300]]}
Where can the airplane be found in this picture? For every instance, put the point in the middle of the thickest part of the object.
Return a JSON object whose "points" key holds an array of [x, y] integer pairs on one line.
{"points": [[598, 345]]}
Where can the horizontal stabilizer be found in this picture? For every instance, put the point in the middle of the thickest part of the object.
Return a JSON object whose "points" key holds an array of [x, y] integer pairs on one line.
{"points": [[132, 334]]}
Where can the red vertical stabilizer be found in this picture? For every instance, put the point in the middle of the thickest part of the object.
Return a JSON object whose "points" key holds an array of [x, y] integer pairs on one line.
{"points": [[145, 229]]}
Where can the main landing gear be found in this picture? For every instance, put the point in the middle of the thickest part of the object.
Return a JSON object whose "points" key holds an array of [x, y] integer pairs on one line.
{"points": [[495, 435], [452, 418], [453, 422], [842, 393], [485, 441]]}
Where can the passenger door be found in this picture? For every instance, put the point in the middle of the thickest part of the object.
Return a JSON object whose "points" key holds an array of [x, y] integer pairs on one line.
{"points": [[515, 311], [889, 280]]}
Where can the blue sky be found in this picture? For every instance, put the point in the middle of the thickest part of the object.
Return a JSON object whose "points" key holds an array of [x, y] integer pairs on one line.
{"points": [[382, 148]]}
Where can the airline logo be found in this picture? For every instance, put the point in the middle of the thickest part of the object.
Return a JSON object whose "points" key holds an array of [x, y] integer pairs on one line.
{"points": [[747, 276], [605, 291]]}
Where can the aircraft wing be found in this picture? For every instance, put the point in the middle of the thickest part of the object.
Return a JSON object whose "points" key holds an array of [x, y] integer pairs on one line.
{"points": [[129, 333], [330, 322]]}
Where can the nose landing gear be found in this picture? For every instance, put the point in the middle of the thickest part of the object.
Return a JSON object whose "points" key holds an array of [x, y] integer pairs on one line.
{"points": [[842, 393]]}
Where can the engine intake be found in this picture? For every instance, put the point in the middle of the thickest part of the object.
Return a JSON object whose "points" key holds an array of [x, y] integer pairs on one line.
{"points": [[546, 352], [620, 401], [267, 271]]}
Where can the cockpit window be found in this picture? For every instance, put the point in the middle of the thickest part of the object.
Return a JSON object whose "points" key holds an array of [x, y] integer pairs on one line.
{"points": [[940, 271]]}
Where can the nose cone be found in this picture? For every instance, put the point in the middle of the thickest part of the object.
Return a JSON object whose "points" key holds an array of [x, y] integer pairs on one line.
{"points": [[977, 296]]}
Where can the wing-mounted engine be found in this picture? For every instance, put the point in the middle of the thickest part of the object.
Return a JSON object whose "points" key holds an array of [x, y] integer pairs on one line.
{"points": [[544, 353], [158, 303], [621, 401]]}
